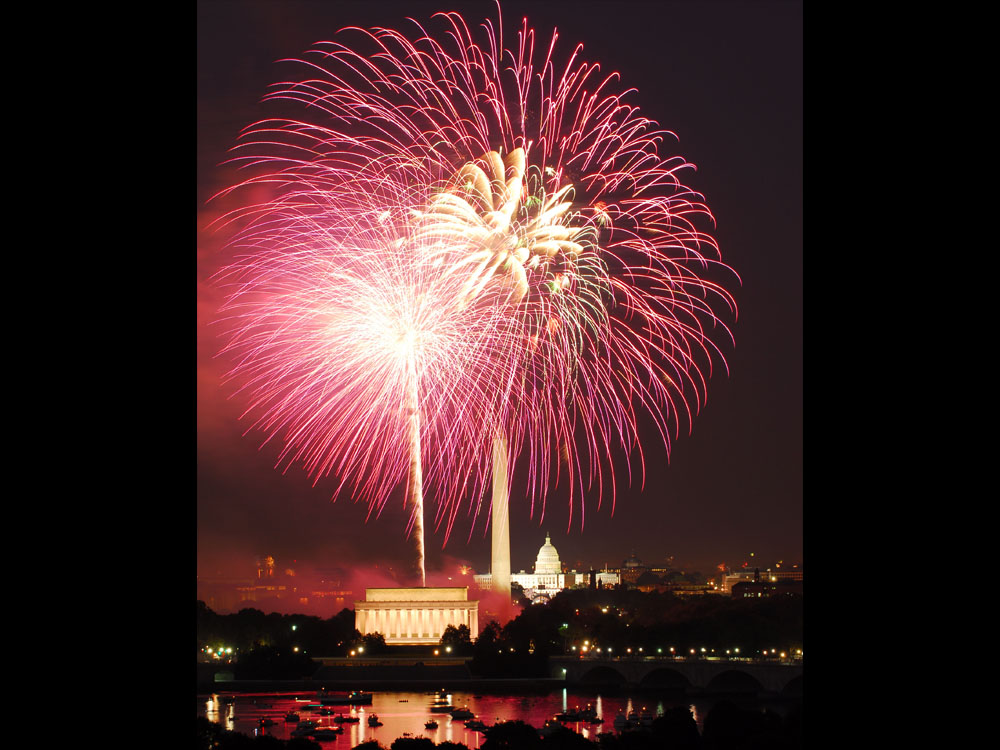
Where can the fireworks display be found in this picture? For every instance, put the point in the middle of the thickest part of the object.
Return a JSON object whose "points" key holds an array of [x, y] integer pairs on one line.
{"points": [[470, 246]]}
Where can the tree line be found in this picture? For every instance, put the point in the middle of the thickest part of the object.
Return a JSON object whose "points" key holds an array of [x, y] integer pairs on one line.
{"points": [[614, 619]]}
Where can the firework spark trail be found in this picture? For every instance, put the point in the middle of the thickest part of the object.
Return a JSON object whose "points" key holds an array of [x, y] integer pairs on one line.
{"points": [[352, 347], [550, 259]]}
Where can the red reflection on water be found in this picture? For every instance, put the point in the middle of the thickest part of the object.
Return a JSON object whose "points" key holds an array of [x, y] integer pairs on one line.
{"points": [[405, 713]]}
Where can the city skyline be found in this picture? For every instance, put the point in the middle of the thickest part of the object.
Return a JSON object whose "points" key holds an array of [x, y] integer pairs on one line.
{"points": [[734, 485]]}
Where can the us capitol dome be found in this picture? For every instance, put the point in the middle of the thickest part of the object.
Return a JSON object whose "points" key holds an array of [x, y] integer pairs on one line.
{"points": [[548, 577], [547, 562]]}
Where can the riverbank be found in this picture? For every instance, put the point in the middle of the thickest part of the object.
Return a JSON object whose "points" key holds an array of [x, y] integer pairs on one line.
{"points": [[308, 685]]}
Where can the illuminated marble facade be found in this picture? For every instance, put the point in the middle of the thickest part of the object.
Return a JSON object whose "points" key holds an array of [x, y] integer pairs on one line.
{"points": [[415, 615]]}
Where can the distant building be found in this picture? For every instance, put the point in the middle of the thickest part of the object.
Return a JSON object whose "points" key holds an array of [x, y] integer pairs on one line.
{"points": [[691, 589], [760, 589], [774, 574], [548, 577], [414, 616], [265, 567], [278, 588], [222, 594], [607, 579]]}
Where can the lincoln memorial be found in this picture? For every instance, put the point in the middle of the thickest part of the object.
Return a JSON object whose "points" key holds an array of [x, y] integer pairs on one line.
{"points": [[415, 615]]}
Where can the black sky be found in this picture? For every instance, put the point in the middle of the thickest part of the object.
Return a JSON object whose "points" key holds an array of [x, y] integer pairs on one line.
{"points": [[726, 77]]}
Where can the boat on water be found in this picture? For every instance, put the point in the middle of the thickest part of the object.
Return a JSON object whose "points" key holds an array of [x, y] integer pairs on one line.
{"points": [[431, 724], [441, 707], [373, 721], [341, 719], [354, 698], [568, 716], [292, 716], [462, 713], [265, 722], [327, 733], [476, 724]]}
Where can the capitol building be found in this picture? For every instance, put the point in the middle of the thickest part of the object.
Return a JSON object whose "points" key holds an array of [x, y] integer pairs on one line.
{"points": [[548, 577]]}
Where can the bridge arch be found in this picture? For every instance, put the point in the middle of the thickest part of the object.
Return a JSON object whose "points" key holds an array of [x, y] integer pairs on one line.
{"points": [[665, 678], [734, 681], [793, 686], [603, 676]]}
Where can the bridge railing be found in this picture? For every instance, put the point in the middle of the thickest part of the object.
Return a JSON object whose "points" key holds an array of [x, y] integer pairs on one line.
{"points": [[681, 659]]}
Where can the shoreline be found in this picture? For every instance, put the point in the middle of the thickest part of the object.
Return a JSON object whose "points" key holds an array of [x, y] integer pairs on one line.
{"points": [[431, 685], [491, 685]]}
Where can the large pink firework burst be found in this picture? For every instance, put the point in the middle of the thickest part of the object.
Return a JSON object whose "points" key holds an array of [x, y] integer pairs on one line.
{"points": [[515, 205]]}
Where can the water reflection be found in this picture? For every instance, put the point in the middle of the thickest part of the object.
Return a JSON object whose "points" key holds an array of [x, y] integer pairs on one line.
{"points": [[405, 713]]}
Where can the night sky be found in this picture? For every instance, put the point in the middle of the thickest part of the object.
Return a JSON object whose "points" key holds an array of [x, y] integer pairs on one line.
{"points": [[726, 77]]}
